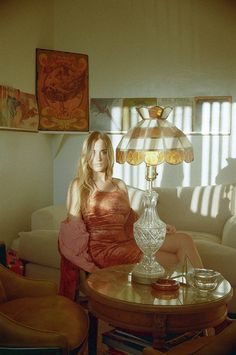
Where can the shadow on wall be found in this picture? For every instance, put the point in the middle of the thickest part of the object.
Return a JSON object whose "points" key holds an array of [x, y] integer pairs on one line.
{"points": [[172, 175], [228, 173]]}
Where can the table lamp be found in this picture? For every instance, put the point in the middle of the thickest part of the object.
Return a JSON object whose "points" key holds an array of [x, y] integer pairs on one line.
{"points": [[153, 140]]}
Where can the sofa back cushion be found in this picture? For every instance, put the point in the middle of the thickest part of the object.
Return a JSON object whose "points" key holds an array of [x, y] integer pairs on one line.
{"points": [[198, 208], [48, 217], [136, 198]]}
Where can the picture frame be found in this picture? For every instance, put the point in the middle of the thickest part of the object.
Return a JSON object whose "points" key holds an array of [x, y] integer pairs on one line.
{"points": [[18, 110], [62, 90], [212, 115], [116, 115]]}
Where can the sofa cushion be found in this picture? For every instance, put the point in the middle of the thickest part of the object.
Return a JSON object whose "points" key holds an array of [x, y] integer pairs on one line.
{"points": [[40, 247]]}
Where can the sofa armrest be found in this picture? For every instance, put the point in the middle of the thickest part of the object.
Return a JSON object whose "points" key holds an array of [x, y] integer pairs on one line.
{"points": [[3, 257], [40, 247], [15, 334], [229, 232], [17, 286]]}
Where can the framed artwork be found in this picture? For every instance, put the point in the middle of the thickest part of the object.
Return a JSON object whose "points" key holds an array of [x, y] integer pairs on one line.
{"points": [[18, 110], [62, 90], [212, 114], [116, 115]]}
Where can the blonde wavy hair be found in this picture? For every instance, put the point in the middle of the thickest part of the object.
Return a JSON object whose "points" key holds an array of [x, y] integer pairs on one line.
{"points": [[84, 174]]}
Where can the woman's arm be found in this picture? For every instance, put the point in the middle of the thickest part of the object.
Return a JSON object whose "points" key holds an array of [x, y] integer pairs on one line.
{"points": [[72, 200], [73, 235], [73, 243]]}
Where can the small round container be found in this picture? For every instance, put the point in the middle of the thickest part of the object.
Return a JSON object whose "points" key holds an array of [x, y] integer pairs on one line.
{"points": [[204, 279], [166, 285]]}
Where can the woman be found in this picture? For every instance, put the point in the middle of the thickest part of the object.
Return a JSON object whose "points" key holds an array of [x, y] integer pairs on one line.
{"points": [[99, 209]]}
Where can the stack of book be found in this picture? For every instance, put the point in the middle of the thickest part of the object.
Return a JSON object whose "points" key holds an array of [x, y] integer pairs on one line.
{"points": [[120, 342]]}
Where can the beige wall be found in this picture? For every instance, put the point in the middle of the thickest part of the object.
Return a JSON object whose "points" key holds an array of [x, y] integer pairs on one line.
{"points": [[154, 48], [147, 47], [25, 158]]}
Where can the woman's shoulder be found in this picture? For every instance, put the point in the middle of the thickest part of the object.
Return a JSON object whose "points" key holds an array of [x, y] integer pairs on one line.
{"points": [[120, 183], [74, 183], [73, 188]]}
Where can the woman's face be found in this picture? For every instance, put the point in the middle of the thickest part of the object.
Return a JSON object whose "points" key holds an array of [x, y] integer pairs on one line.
{"points": [[99, 159]]}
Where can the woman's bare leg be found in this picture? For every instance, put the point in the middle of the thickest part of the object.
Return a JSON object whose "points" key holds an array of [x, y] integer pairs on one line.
{"points": [[167, 260], [179, 245]]}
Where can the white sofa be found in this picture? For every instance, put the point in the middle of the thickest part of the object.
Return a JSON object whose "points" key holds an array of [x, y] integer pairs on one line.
{"points": [[207, 213]]}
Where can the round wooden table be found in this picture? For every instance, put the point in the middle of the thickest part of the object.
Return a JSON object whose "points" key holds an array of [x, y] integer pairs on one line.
{"points": [[115, 299]]}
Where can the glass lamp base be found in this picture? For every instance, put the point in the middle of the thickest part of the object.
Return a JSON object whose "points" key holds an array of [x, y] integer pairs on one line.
{"points": [[143, 275]]}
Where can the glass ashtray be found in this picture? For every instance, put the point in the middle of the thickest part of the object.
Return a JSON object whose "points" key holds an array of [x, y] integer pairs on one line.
{"points": [[166, 285], [204, 279]]}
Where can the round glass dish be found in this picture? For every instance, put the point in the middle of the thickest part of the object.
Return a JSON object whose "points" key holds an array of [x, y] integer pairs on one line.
{"points": [[204, 279], [166, 285]]}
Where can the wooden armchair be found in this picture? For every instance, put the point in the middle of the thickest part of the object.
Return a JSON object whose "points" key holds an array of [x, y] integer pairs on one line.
{"points": [[34, 319]]}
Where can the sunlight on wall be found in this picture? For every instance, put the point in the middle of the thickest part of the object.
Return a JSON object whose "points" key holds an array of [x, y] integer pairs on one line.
{"points": [[233, 129], [216, 117], [206, 113], [214, 159], [213, 115], [225, 151], [205, 166], [116, 113]]}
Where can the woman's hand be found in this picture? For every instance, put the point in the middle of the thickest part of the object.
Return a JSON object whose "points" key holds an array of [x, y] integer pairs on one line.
{"points": [[170, 229]]}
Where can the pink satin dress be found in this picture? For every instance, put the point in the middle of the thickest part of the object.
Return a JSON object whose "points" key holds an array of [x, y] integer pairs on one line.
{"points": [[109, 221]]}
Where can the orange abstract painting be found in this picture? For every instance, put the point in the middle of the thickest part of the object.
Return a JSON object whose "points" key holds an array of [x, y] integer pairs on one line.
{"points": [[62, 90]]}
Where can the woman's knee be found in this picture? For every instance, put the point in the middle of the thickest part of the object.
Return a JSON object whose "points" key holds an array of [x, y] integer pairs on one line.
{"points": [[186, 240]]}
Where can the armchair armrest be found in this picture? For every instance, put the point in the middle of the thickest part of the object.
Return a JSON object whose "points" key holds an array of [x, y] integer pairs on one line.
{"points": [[17, 286], [25, 336], [3, 259], [229, 232]]}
